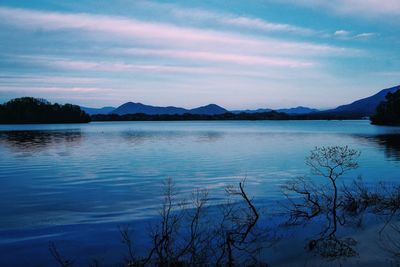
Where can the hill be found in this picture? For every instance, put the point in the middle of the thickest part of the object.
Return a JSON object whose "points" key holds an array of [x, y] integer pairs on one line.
{"points": [[388, 111], [250, 111], [93, 111], [135, 108], [291, 111], [363, 107], [211, 109], [297, 110]]}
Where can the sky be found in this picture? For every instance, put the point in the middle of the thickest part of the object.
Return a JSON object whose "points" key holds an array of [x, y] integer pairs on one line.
{"points": [[238, 54]]}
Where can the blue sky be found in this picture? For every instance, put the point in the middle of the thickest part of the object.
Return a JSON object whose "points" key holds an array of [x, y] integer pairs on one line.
{"points": [[238, 54]]}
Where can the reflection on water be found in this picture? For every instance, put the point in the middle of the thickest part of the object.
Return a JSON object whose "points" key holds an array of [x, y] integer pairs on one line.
{"points": [[210, 137], [138, 137], [33, 141], [65, 171], [127, 162], [102, 173], [390, 143]]}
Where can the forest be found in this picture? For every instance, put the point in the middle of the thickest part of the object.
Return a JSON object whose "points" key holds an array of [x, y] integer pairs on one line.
{"points": [[32, 110]]}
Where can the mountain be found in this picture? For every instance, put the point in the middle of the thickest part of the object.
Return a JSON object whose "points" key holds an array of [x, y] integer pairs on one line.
{"points": [[363, 107], [93, 111], [297, 110], [358, 109], [291, 111], [133, 108], [260, 110], [211, 109]]}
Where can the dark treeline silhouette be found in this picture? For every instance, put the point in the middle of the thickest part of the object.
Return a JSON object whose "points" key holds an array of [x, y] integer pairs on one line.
{"points": [[32, 110], [184, 117], [388, 112], [272, 115]]}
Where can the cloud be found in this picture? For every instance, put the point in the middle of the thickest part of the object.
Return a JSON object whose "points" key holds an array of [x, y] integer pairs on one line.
{"points": [[259, 24], [52, 89], [39, 79], [111, 66], [366, 35], [160, 34], [231, 19], [234, 21], [247, 22], [359, 8], [216, 57], [390, 73], [342, 33], [348, 35], [122, 67], [234, 59]]}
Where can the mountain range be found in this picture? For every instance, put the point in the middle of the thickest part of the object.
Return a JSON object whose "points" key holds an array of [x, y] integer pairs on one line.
{"points": [[291, 111], [211, 109], [132, 108], [357, 109], [93, 111], [362, 107]]}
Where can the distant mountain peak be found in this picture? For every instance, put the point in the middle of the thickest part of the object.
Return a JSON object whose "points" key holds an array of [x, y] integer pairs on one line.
{"points": [[133, 108], [362, 107], [210, 109], [93, 111], [291, 111], [297, 110]]}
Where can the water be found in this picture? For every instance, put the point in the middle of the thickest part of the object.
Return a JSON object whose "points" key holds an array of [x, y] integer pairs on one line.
{"points": [[75, 183]]}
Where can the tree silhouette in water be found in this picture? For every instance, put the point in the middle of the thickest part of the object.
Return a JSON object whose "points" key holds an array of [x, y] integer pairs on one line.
{"points": [[311, 200]]}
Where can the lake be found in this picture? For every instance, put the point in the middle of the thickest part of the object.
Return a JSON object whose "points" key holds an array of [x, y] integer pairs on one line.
{"points": [[75, 183]]}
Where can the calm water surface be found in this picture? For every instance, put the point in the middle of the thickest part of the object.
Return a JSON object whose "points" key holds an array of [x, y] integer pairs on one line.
{"points": [[73, 182]]}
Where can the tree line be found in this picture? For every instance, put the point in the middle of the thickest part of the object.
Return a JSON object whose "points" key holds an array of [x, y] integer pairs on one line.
{"points": [[388, 111], [33, 110], [271, 115]]}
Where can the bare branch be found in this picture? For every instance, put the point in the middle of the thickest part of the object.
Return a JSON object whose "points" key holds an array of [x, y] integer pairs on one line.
{"points": [[62, 262]]}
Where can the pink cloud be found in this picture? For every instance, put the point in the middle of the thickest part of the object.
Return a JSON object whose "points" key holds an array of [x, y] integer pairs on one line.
{"points": [[51, 89], [216, 57], [162, 34], [360, 8], [256, 70]]}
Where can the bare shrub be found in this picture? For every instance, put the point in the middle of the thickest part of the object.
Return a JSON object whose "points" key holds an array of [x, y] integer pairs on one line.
{"points": [[309, 200], [188, 234]]}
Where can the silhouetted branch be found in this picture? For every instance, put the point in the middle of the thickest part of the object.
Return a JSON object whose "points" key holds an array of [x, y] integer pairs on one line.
{"points": [[315, 201], [126, 239], [62, 262]]}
